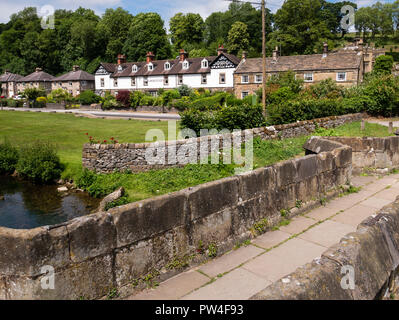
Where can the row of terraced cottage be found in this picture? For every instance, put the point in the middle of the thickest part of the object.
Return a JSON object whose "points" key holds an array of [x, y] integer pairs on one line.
{"points": [[223, 71]]}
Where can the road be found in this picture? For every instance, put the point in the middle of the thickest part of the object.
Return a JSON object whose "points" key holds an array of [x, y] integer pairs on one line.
{"points": [[108, 114]]}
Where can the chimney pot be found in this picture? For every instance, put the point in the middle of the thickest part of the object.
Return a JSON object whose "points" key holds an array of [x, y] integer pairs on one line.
{"points": [[183, 55], [244, 55], [275, 54], [150, 57], [325, 49], [221, 49], [75, 68], [121, 58], [38, 69]]}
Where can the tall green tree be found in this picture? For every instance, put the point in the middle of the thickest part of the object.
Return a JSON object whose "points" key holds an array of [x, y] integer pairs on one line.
{"points": [[147, 33], [238, 38], [186, 29]]}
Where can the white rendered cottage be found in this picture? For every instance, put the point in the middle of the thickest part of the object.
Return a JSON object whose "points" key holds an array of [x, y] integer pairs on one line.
{"points": [[214, 73]]}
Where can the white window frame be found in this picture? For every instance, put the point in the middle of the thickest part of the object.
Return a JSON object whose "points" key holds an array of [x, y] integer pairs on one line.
{"points": [[341, 80], [204, 78], [150, 67], [186, 65], [180, 79], [220, 78], [242, 78], [102, 83], [307, 75], [133, 81], [134, 68], [166, 80], [115, 82], [204, 64], [145, 81], [167, 66], [256, 78], [244, 94]]}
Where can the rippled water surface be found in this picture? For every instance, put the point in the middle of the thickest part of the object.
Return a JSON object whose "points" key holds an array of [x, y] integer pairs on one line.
{"points": [[26, 205]]}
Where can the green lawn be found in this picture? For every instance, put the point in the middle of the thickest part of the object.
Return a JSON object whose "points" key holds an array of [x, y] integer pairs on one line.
{"points": [[68, 133]]}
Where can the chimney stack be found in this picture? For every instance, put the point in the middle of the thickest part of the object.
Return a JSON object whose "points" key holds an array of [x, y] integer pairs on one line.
{"points": [[244, 55], [75, 68], [150, 57], [325, 49], [275, 54], [221, 49], [121, 58], [38, 69], [183, 55]]}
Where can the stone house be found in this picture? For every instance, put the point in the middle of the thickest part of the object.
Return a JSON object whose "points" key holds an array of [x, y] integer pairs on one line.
{"points": [[346, 67], [74, 82], [8, 82], [37, 79], [213, 73]]}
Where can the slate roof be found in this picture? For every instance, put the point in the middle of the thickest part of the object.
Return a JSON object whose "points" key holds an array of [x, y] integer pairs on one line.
{"points": [[9, 77], [37, 76], [78, 75], [159, 69], [333, 61]]}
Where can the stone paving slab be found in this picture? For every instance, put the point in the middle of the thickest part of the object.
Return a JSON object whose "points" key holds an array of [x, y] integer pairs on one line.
{"points": [[327, 233], [321, 213], [230, 260], [298, 251], [270, 239], [375, 202], [388, 194], [297, 224], [355, 215], [359, 181], [238, 284], [174, 288], [270, 266]]}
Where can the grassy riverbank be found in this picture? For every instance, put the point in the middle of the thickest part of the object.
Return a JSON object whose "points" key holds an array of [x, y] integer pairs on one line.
{"points": [[69, 134]]}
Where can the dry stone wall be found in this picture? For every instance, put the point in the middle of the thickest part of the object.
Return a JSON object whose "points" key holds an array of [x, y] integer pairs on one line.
{"points": [[105, 158]]}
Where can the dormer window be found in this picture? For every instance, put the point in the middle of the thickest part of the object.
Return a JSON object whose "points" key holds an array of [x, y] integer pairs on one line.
{"points": [[204, 64], [150, 67], [134, 68], [167, 66], [185, 65], [120, 68]]}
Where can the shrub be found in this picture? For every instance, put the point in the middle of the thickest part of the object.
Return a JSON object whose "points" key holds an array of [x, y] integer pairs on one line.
{"points": [[196, 120], [383, 64], [123, 97], [3, 101], [39, 162], [15, 103], [8, 157], [41, 102], [135, 98], [58, 96], [88, 97], [184, 90], [147, 100], [33, 93], [327, 88], [169, 95], [209, 103]]}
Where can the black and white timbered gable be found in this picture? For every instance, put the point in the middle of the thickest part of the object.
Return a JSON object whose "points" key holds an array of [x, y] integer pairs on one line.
{"points": [[101, 71], [222, 62]]}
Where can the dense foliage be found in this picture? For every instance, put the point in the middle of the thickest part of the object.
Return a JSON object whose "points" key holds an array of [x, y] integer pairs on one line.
{"points": [[8, 157], [39, 162], [81, 37]]}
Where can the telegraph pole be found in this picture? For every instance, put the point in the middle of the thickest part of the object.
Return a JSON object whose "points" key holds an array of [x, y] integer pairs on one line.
{"points": [[264, 59]]}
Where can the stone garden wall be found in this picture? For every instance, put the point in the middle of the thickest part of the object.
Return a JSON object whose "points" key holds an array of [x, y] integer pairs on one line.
{"points": [[372, 153], [105, 158], [130, 245]]}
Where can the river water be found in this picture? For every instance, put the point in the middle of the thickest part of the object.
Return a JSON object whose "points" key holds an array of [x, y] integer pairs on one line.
{"points": [[26, 205]]}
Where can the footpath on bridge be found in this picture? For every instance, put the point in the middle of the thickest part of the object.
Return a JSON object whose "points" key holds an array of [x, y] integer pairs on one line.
{"points": [[241, 273]]}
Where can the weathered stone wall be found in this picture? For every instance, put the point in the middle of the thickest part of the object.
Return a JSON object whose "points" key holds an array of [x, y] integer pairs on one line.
{"points": [[105, 158], [93, 254], [373, 153], [373, 252]]}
